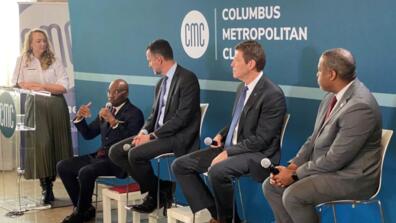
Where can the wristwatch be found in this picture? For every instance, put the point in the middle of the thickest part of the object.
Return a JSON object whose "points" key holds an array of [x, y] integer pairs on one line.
{"points": [[152, 136], [295, 177]]}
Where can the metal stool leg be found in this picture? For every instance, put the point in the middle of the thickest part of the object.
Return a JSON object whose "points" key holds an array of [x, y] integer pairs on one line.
{"points": [[96, 195], [334, 213], [158, 186], [96, 199], [127, 196], [233, 202], [170, 178], [241, 200], [381, 211]]}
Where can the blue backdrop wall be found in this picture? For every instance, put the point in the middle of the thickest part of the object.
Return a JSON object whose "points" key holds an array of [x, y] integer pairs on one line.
{"points": [[110, 37]]}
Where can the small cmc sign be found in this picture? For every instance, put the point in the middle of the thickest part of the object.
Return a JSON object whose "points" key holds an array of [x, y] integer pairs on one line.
{"points": [[7, 115]]}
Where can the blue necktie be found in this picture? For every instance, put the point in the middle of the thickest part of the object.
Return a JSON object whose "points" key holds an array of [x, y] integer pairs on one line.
{"points": [[161, 101], [236, 116]]}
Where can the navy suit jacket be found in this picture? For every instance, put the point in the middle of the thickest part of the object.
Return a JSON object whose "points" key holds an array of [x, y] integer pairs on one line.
{"points": [[131, 119]]}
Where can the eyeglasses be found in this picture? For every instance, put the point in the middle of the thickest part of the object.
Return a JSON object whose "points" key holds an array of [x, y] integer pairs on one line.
{"points": [[116, 92]]}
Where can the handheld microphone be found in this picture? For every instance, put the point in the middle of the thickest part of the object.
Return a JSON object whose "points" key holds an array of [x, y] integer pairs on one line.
{"points": [[127, 147], [266, 163], [210, 142], [109, 106]]}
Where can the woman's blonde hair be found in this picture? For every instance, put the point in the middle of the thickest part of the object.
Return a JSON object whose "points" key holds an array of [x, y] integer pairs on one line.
{"points": [[47, 58]]}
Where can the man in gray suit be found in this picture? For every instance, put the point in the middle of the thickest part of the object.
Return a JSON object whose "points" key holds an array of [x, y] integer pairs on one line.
{"points": [[341, 159], [254, 133]]}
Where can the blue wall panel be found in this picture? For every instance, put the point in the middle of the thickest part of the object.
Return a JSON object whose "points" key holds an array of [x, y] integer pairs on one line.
{"points": [[110, 38]]}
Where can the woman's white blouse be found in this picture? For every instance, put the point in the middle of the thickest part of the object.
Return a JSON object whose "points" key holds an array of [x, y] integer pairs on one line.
{"points": [[55, 74]]}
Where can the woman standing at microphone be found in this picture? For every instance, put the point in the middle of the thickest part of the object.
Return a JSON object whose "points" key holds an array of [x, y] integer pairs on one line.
{"points": [[37, 69]]}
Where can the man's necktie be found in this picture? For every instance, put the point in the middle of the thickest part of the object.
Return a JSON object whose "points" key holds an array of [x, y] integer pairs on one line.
{"points": [[330, 108], [161, 102], [113, 111], [101, 153], [236, 116]]}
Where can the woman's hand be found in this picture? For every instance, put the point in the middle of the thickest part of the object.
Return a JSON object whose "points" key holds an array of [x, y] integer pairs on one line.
{"points": [[31, 86]]}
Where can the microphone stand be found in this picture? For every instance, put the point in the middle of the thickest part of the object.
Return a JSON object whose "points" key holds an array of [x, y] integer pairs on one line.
{"points": [[20, 171], [20, 211], [19, 71]]}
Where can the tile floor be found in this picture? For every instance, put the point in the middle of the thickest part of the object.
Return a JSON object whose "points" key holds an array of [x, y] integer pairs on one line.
{"points": [[31, 188]]}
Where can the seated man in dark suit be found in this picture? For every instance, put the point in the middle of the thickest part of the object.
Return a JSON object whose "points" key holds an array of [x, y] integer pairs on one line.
{"points": [[254, 133], [173, 126], [116, 122], [341, 158]]}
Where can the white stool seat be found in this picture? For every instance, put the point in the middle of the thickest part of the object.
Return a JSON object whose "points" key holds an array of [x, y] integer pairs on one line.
{"points": [[153, 217], [156, 217], [108, 195], [184, 214]]}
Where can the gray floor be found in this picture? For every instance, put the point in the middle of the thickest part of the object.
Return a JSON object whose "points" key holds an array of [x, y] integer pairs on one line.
{"points": [[31, 188]]}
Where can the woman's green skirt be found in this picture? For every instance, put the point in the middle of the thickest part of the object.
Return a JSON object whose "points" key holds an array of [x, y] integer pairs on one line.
{"points": [[51, 141]]}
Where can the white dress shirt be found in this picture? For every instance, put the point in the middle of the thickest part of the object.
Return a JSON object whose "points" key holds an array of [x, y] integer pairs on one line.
{"points": [[251, 87]]}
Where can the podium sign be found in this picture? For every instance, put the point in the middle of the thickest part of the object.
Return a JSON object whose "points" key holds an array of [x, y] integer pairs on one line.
{"points": [[17, 123], [7, 114]]}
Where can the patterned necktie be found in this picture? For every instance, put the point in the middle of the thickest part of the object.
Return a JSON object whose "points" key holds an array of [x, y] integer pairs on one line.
{"points": [[113, 111], [161, 102], [236, 116]]}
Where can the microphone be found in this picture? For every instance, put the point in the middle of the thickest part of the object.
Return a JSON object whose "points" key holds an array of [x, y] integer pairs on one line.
{"points": [[209, 142], [126, 147], [109, 106], [19, 72], [266, 163]]}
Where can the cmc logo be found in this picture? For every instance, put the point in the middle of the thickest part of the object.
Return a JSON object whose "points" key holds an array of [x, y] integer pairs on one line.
{"points": [[7, 115], [194, 34]]}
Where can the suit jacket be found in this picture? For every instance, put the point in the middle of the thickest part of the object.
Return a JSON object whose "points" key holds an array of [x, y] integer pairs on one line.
{"points": [[182, 112], [131, 119], [345, 150], [260, 125]]}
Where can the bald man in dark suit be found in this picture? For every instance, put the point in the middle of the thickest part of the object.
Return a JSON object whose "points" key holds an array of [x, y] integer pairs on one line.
{"points": [[113, 124]]}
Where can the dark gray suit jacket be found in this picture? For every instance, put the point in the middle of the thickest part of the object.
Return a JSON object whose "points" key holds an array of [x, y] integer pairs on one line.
{"points": [[345, 150], [260, 125], [182, 112]]}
